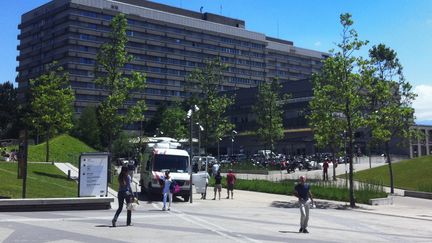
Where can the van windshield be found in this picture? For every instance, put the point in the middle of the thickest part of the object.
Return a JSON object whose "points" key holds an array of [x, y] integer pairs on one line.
{"points": [[173, 163]]}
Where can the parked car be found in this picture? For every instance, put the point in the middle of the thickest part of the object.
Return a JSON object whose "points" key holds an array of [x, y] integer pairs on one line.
{"points": [[224, 159], [201, 162]]}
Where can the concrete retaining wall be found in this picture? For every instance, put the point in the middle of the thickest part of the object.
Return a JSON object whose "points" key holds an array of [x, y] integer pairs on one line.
{"points": [[55, 204], [425, 195]]}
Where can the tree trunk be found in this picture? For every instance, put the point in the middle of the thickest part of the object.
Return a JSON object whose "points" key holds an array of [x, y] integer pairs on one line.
{"points": [[351, 169], [47, 144], [387, 153], [334, 162], [351, 174]]}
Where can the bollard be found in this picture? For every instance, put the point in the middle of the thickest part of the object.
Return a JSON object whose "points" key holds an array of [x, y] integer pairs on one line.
{"points": [[69, 175]]}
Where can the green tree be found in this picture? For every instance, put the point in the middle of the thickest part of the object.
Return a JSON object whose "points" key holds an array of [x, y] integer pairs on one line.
{"points": [[391, 99], [341, 87], [110, 73], [154, 122], [8, 110], [87, 127], [206, 82], [327, 131], [51, 102], [173, 122], [269, 111], [122, 146]]}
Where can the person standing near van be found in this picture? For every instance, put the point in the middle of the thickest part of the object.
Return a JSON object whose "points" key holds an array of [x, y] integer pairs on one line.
{"points": [[166, 190], [124, 194], [231, 178], [218, 185]]}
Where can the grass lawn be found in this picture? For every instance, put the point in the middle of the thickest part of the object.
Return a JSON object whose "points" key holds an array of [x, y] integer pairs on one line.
{"points": [[43, 181], [413, 174], [320, 189], [63, 148]]}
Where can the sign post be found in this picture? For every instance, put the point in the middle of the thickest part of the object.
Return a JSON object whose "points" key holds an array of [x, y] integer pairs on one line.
{"points": [[93, 175]]}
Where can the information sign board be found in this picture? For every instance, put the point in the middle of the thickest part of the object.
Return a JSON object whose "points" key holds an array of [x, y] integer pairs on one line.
{"points": [[93, 175]]}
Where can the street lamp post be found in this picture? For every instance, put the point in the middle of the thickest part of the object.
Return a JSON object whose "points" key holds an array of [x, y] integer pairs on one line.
{"points": [[201, 128], [219, 139], [234, 132], [190, 116]]}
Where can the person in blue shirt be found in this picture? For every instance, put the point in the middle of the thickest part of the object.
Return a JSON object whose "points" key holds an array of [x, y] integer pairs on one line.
{"points": [[303, 193], [166, 190], [124, 194]]}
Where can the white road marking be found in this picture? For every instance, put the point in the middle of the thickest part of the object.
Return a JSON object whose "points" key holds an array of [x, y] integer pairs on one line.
{"points": [[207, 225]]}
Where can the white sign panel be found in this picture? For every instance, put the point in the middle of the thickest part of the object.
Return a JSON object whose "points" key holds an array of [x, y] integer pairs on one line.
{"points": [[199, 180], [93, 175]]}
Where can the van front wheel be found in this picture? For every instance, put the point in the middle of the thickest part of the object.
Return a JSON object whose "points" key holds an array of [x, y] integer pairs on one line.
{"points": [[186, 198]]}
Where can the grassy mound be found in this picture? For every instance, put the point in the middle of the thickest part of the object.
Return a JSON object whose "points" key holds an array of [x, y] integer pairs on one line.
{"points": [[43, 181], [413, 174], [63, 148]]}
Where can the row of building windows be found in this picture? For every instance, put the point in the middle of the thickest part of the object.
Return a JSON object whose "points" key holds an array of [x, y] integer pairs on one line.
{"points": [[158, 27], [82, 48], [290, 57], [286, 73], [165, 82], [165, 39], [244, 81], [163, 92], [246, 72], [243, 62], [167, 60], [158, 81], [182, 73]]}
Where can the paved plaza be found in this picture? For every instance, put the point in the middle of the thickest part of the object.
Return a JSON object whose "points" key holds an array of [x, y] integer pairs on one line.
{"points": [[250, 217]]}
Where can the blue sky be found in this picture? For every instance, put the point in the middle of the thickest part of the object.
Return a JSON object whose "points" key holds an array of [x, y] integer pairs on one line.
{"points": [[404, 25]]}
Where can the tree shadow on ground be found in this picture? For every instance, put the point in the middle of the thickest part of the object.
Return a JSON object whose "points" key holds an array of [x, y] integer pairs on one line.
{"points": [[50, 175], [155, 198], [319, 205]]}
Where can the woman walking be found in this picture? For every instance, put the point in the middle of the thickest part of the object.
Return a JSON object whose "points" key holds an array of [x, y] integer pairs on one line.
{"points": [[124, 194]]}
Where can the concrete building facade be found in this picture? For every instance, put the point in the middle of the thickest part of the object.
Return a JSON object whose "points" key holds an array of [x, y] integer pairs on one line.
{"points": [[167, 44], [422, 145]]}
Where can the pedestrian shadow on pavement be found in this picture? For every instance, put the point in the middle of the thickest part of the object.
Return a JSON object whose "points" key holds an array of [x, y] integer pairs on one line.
{"points": [[109, 226], [288, 231], [319, 205]]}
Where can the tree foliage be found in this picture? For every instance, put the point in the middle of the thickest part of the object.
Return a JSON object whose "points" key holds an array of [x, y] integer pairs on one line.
{"points": [[391, 114], [339, 90], [154, 122], [51, 102], [122, 146], [269, 111], [8, 110], [110, 73], [87, 127], [206, 82], [173, 122]]}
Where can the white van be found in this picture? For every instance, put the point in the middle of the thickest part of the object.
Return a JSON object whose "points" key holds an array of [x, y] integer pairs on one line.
{"points": [[162, 154]]}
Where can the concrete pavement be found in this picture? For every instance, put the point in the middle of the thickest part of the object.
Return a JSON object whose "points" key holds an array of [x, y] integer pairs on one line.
{"points": [[249, 217]]}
